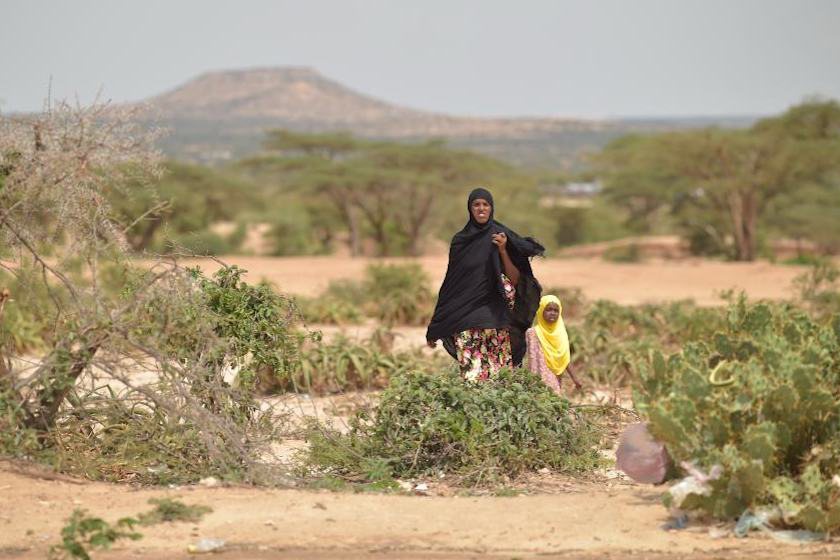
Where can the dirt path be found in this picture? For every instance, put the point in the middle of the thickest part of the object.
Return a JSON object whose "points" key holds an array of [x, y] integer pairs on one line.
{"points": [[700, 280], [584, 521]]}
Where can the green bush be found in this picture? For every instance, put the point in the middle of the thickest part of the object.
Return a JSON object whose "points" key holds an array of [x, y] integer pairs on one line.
{"points": [[167, 510], [393, 294], [294, 233], [759, 398], [255, 320], [570, 224], [327, 310], [203, 243], [26, 311], [344, 365], [623, 254], [606, 344], [804, 259], [399, 294], [482, 432], [818, 288]]}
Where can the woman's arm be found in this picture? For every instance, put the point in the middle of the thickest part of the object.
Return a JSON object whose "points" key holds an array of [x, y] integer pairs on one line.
{"points": [[500, 240]]}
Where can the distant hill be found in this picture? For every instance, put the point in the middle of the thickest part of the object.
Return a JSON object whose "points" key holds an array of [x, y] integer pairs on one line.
{"points": [[223, 115]]}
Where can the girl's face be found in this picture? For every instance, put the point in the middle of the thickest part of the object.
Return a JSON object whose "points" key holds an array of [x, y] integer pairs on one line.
{"points": [[551, 312], [480, 210]]}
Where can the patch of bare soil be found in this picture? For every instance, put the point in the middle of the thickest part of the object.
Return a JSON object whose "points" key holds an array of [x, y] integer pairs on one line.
{"points": [[584, 520], [632, 283]]}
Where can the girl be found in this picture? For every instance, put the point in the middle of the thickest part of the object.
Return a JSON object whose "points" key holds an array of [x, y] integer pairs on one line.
{"points": [[489, 295], [548, 345]]}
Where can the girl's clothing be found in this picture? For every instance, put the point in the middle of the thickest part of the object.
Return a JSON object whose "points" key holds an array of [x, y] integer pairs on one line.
{"points": [[472, 295], [549, 353], [536, 362], [553, 337]]}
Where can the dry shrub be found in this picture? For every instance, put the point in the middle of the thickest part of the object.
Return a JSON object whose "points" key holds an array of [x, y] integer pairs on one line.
{"points": [[135, 383]]}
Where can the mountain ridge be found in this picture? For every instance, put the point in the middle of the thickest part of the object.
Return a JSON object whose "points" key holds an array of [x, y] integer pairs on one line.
{"points": [[223, 114]]}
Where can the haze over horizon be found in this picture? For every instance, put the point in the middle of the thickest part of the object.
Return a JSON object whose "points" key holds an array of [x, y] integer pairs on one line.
{"points": [[649, 58]]}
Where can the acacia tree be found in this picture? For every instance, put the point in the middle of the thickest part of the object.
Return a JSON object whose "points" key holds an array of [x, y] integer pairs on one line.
{"points": [[315, 165], [726, 177], [186, 199], [810, 211], [389, 191], [420, 180]]}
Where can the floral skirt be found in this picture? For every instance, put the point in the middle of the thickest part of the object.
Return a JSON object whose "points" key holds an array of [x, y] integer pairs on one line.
{"points": [[481, 353]]}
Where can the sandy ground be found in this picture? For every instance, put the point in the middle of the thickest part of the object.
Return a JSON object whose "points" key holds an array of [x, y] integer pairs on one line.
{"points": [[701, 280], [582, 521]]}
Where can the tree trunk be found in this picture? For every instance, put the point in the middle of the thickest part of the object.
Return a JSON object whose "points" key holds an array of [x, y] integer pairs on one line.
{"points": [[750, 223], [416, 227], [355, 236], [346, 212], [53, 393], [381, 238], [145, 240], [743, 238], [4, 370], [376, 215]]}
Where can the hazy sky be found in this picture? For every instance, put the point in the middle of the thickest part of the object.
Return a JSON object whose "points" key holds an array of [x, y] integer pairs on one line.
{"points": [[524, 57]]}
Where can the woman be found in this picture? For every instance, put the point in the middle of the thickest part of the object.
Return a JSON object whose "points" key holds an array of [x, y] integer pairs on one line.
{"points": [[549, 354], [489, 296]]}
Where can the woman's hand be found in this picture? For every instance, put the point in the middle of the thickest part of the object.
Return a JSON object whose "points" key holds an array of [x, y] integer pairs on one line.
{"points": [[500, 241], [431, 343]]}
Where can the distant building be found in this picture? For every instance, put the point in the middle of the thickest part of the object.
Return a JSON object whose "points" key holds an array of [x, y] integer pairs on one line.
{"points": [[571, 194], [582, 188]]}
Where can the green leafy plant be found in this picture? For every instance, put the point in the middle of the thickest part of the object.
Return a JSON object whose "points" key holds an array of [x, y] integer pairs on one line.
{"points": [[83, 532], [398, 294], [623, 254], [757, 402], [256, 321], [330, 310], [481, 432], [170, 509], [391, 293], [25, 321], [818, 288], [345, 365], [608, 341]]}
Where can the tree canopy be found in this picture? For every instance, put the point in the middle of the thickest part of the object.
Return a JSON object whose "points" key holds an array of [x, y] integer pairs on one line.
{"points": [[725, 185], [393, 194]]}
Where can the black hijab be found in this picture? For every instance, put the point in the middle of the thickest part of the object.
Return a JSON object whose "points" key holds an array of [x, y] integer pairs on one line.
{"points": [[472, 295]]}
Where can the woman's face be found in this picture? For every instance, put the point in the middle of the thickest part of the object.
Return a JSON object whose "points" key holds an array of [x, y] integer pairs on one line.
{"points": [[480, 210], [551, 312]]}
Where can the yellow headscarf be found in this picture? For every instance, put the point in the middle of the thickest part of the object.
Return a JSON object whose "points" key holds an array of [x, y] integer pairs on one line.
{"points": [[553, 337]]}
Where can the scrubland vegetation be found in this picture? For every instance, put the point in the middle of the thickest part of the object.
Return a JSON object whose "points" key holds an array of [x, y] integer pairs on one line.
{"points": [[160, 374]]}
